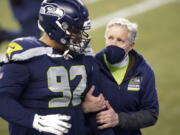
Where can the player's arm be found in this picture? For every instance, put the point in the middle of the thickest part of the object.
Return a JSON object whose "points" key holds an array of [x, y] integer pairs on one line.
{"points": [[93, 103], [13, 79], [95, 99]]}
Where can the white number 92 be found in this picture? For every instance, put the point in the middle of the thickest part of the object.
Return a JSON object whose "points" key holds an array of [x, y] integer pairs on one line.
{"points": [[63, 85]]}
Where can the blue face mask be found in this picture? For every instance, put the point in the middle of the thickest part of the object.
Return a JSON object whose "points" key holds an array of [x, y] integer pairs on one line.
{"points": [[114, 54]]}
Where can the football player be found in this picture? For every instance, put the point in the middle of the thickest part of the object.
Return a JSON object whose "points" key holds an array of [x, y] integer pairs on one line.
{"points": [[43, 81]]}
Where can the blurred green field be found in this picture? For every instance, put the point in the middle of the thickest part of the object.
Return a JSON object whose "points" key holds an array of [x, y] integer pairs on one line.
{"points": [[158, 40]]}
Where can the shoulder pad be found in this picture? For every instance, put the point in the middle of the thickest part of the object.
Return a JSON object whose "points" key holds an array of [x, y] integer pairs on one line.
{"points": [[22, 49]]}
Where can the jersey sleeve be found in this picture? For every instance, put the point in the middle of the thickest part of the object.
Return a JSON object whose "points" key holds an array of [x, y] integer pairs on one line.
{"points": [[94, 79], [93, 75], [13, 80]]}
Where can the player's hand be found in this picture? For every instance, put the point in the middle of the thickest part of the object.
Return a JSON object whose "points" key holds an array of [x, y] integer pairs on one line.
{"points": [[108, 118], [54, 124], [93, 103]]}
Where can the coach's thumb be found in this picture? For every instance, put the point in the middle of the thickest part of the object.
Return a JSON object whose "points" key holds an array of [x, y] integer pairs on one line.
{"points": [[91, 90], [108, 105]]}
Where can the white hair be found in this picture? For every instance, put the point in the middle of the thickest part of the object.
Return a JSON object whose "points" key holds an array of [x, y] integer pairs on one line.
{"points": [[132, 27]]}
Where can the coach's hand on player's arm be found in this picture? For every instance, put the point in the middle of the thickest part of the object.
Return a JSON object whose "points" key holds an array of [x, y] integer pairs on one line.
{"points": [[55, 124], [93, 103], [107, 118]]}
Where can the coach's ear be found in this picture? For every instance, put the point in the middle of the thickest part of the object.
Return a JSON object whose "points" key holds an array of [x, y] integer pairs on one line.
{"points": [[131, 46]]}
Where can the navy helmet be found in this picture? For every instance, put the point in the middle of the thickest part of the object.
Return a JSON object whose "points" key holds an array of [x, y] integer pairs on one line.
{"points": [[66, 21]]}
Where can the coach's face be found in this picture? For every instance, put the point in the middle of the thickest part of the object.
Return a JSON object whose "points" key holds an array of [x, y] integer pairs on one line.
{"points": [[118, 36]]}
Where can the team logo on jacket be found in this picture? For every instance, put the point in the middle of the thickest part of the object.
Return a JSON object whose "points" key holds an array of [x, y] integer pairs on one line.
{"points": [[134, 84]]}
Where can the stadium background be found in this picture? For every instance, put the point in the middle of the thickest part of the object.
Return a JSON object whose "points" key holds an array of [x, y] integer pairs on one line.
{"points": [[159, 42]]}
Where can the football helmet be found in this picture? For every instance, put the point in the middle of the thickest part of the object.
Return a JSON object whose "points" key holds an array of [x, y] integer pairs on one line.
{"points": [[66, 22]]}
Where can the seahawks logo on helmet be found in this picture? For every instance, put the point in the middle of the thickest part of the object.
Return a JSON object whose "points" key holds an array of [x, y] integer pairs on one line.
{"points": [[52, 9]]}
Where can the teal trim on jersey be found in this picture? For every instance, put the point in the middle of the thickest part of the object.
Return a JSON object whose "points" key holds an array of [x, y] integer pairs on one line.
{"points": [[117, 72]]}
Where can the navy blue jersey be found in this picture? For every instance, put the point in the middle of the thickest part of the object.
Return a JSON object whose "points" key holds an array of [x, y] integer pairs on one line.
{"points": [[135, 95], [36, 78]]}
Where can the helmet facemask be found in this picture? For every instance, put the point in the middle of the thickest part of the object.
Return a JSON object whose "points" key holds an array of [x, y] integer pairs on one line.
{"points": [[75, 39]]}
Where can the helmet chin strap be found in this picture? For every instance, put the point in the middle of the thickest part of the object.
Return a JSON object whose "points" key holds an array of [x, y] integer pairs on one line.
{"points": [[40, 27], [66, 54]]}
